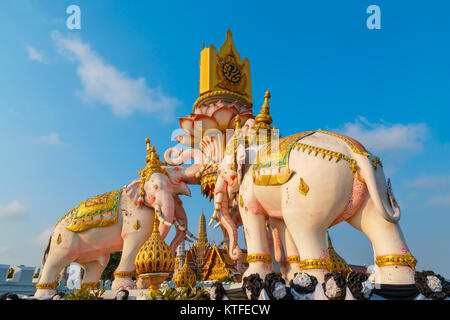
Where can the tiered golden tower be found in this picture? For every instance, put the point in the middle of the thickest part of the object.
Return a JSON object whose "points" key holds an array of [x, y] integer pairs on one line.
{"points": [[223, 75]]}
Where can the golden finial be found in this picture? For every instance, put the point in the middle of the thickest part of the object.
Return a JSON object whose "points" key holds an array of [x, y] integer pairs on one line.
{"points": [[237, 122], [263, 119]]}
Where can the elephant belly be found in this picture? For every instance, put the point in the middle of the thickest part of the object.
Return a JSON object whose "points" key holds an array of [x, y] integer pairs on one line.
{"points": [[269, 199]]}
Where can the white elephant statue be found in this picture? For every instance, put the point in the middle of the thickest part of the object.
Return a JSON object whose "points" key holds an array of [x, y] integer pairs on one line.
{"points": [[316, 180], [118, 220]]}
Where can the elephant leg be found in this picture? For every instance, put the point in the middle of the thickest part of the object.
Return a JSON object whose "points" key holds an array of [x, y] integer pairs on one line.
{"points": [[257, 243], [289, 265], [387, 239], [309, 239], [131, 245], [93, 271], [52, 268]]}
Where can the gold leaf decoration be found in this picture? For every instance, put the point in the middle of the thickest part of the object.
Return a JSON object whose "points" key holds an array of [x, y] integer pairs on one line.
{"points": [[303, 188]]}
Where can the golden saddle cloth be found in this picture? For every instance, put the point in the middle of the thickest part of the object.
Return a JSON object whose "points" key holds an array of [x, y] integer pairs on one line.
{"points": [[99, 211], [272, 164]]}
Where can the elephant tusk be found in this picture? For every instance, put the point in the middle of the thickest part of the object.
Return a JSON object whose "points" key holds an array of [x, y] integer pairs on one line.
{"points": [[179, 226], [191, 235], [161, 219]]}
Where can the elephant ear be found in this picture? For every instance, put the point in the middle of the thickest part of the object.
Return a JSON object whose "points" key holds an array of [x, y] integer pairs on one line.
{"points": [[132, 191], [240, 159]]}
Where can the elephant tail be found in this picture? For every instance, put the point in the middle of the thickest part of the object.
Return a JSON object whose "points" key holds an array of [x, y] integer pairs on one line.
{"points": [[380, 192], [44, 257]]}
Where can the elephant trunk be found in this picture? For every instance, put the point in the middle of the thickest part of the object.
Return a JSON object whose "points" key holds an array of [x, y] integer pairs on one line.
{"points": [[180, 214], [165, 211], [221, 203], [182, 156]]}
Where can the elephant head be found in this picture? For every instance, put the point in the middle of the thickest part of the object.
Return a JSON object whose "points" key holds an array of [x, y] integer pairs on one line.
{"points": [[229, 178], [157, 188], [158, 194]]}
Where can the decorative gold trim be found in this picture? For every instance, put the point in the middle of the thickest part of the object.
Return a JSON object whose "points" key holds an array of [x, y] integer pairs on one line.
{"points": [[293, 259], [58, 240], [350, 143], [303, 188], [315, 264], [137, 225], [375, 162], [397, 260], [48, 286], [217, 93], [124, 274], [90, 285], [266, 258], [353, 164]]}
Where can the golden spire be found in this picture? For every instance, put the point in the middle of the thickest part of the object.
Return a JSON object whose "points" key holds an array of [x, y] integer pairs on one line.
{"points": [[337, 262], [202, 236], [263, 119]]}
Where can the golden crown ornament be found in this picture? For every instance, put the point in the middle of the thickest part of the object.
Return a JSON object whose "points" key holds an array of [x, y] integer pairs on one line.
{"points": [[153, 165]]}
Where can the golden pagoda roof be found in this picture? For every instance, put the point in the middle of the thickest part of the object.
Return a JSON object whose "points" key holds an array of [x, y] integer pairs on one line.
{"points": [[185, 277], [337, 262]]}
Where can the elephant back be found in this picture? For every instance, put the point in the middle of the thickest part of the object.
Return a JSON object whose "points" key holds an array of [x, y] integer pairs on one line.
{"points": [[99, 211]]}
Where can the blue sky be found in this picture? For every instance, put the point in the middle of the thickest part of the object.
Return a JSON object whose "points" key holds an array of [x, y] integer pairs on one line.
{"points": [[65, 135]]}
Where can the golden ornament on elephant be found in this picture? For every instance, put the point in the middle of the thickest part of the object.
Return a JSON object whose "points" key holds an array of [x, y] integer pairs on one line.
{"points": [[155, 260], [185, 277]]}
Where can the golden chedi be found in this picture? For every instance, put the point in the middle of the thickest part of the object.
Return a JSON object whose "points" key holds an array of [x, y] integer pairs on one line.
{"points": [[336, 262], [155, 260], [185, 277]]}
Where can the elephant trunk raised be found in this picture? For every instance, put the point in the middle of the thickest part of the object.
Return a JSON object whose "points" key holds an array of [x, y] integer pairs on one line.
{"points": [[222, 212]]}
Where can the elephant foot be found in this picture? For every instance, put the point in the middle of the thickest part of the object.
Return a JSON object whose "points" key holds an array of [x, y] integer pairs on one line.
{"points": [[44, 294], [260, 268], [292, 270], [123, 283], [318, 273]]}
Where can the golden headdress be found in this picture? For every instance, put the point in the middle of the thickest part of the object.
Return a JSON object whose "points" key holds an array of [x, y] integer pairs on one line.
{"points": [[153, 165]]}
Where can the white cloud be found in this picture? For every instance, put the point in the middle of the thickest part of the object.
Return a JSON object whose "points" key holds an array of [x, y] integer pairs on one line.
{"points": [[13, 210], [440, 200], [430, 182], [41, 240], [36, 55], [50, 139], [106, 84], [383, 136], [3, 250]]}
